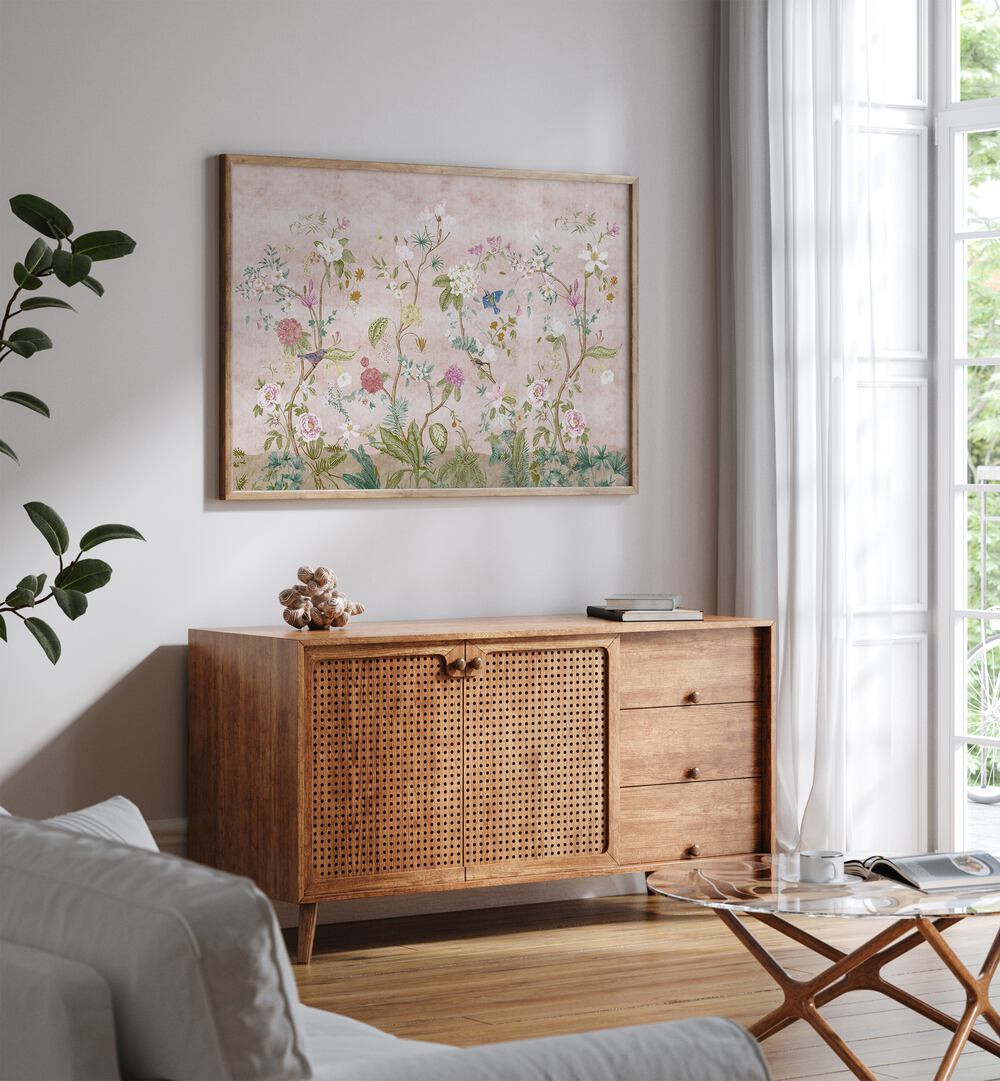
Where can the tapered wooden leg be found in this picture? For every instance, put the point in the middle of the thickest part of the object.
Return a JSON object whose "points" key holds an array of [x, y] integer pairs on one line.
{"points": [[307, 933]]}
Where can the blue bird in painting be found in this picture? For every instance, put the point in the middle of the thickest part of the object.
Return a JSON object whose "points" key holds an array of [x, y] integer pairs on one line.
{"points": [[491, 300], [314, 357]]}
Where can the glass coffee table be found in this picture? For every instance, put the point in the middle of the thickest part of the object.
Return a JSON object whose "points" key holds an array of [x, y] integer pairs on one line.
{"points": [[767, 888]]}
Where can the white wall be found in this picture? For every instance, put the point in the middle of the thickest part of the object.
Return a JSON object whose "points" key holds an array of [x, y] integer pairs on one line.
{"points": [[115, 111]]}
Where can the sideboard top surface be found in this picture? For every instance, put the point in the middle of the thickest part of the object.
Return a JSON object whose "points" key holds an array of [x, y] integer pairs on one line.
{"points": [[362, 631]]}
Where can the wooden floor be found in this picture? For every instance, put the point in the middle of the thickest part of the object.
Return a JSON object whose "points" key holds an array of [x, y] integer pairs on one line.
{"points": [[513, 973]]}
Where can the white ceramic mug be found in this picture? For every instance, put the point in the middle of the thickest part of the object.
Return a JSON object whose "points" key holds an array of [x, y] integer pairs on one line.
{"points": [[821, 867]]}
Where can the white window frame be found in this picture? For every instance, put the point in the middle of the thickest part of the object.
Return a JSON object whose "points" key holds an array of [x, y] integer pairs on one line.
{"points": [[952, 117]]}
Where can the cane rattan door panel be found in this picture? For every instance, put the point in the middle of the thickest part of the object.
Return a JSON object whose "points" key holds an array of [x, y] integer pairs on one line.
{"points": [[386, 765], [536, 756]]}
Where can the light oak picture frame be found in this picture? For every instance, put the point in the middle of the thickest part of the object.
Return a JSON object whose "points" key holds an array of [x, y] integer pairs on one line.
{"points": [[392, 330]]}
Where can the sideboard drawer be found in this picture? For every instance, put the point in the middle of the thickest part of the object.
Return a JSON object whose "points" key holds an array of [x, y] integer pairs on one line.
{"points": [[698, 743], [665, 822], [678, 668]]}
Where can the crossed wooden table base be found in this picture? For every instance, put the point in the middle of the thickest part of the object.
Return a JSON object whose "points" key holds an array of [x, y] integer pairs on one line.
{"points": [[861, 970]]}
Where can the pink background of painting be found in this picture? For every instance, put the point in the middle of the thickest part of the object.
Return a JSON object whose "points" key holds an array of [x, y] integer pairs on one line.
{"points": [[267, 199]]}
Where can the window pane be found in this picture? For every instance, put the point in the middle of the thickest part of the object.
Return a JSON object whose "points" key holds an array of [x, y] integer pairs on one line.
{"points": [[980, 49], [983, 542], [982, 678], [979, 188], [982, 809], [982, 402], [982, 297]]}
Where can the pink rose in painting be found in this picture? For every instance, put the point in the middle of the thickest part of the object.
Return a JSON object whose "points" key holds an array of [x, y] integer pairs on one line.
{"points": [[309, 426], [289, 331], [453, 374], [371, 380], [574, 422]]}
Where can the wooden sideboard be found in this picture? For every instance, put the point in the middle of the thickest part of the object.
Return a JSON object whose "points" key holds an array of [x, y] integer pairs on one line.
{"points": [[429, 755]]}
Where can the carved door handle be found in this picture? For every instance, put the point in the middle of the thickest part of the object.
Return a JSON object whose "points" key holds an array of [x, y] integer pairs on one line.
{"points": [[693, 850], [476, 663], [457, 665]]}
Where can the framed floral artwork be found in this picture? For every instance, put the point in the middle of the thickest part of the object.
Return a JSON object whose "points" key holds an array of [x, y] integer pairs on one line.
{"points": [[410, 330]]}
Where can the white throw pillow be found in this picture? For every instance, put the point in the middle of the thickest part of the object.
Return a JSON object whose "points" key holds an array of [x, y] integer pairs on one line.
{"points": [[198, 970], [116, 819]]}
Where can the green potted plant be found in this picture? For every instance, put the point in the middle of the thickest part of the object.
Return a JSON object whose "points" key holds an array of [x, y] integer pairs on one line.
{"points": [[69, 260]]}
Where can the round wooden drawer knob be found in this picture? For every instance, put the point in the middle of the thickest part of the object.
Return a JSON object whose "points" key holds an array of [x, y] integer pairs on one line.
{"points": [[458, 664], [694, 697], [476, 663], [694, 773], [694, 850]]}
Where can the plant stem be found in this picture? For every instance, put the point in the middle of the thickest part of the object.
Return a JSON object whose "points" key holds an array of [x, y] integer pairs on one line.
{"points": [[6, 319]]}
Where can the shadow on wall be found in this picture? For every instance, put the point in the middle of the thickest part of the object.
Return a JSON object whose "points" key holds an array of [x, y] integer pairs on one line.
{"points": [[131, 742]]}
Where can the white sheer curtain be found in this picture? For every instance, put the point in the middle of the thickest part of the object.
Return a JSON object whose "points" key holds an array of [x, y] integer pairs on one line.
{"points": [[788, 293]]}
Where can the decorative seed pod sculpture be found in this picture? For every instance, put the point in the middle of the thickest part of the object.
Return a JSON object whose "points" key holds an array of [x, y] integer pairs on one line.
{"points": [[316, 604]]}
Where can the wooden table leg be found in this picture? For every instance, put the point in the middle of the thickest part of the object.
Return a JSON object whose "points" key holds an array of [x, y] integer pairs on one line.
{"points": [[861, 970], [977, 993], [307, 933]]}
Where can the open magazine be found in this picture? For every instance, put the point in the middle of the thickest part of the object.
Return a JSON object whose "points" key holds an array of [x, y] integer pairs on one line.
{"points": [[932, 871]]}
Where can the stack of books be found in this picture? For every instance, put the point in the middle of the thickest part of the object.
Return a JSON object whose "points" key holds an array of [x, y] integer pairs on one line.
{"points": [[644, 608]]}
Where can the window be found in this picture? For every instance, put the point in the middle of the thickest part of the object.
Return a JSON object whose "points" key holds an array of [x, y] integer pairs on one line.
{"points": [[967, 129]]}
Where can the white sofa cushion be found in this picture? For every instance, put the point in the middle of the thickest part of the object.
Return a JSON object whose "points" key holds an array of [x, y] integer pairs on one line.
{"points": [[56, 1021], [198, 971], [339, 1043], [702, 1049], [116, 819]]}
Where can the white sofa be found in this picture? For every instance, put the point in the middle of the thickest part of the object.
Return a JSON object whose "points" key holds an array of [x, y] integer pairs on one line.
{"points": [[116, 962]]}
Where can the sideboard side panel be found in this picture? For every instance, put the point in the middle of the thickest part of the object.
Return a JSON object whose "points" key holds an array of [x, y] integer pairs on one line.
{"points": [[243, 758]]}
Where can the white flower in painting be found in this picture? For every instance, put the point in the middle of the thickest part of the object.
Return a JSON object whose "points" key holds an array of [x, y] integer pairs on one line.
{"points": [[490, 355], [442, 215], [425, 215], [607, 376], [539, 261], [329, 249], [277, 277], [464, 279], [594, 260], [395, 288], [557, 328], [344, 379], [287, 306], [269, 395], [538, 392], [309, 426], [349, 432], [404, 253], [574, 423]]}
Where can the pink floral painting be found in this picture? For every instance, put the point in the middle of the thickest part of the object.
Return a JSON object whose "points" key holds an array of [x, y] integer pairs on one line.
{"points": [[436, 331]]}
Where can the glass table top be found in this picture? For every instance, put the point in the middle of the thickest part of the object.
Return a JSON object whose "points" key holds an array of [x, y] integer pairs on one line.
{"points": [[769, 883]]}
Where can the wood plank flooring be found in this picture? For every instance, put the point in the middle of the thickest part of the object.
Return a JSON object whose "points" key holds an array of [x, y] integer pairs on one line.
{"points": [[477, 977]]}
